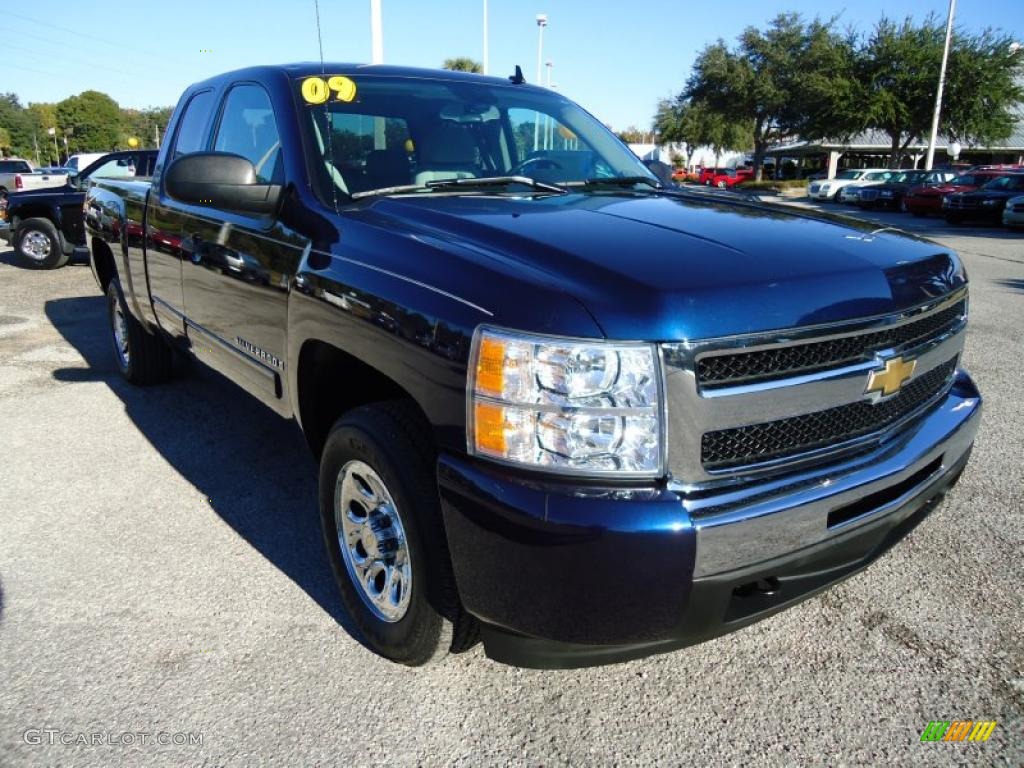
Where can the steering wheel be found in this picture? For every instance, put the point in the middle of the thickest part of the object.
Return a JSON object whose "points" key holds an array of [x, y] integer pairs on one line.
{"points": [[541, 163]]}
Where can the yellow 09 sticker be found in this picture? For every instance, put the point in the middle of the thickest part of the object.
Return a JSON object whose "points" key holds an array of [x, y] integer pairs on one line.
{"points": [[317, 90]]}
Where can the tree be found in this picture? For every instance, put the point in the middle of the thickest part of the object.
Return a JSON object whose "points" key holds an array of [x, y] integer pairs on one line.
{"points": [[5, 141], [463, 64], [16, 123], [700, 125], [766, 78], [93, 119], [984, 88], [898, 68], [633, 135], [141, 123]]}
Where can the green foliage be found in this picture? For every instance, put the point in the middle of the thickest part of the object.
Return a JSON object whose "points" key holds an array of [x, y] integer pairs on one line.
{"points": [[5, 141], [91, 121], [141, 123], [699, 124], [789, 77], [806, 78], [463, 64], [633, 135]]}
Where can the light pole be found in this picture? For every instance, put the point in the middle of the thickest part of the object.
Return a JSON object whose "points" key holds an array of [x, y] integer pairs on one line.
{"points": [[376, 33], [542, 21], [485, 37], [942, 83], [549, 138]]}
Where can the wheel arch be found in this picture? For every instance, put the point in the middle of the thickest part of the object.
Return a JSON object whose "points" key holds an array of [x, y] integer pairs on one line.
{"points": [[330, 381]]}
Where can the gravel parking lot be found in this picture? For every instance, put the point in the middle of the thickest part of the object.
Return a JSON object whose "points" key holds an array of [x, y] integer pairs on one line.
{"points": [[162, 572]]}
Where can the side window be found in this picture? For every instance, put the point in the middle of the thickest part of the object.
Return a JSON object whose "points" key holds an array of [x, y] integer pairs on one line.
{"points": [[115, 169], [191, 137], [247, 128], [371, 151]]}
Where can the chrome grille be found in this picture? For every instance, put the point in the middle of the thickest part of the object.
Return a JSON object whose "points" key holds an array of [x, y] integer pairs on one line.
{"points": [[769, 403], [782, 362], [761, 442]]}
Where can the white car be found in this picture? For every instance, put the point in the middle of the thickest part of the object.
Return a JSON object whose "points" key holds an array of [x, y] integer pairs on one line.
{"points": [[80, 161], [1013, 213], [828, 189]]}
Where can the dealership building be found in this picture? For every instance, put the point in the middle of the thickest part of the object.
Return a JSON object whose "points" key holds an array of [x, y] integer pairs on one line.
{"points": [[871, 149]]}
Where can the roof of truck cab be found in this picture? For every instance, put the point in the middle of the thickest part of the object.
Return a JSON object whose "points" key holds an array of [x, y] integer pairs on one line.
{"points": [[307, 68]]}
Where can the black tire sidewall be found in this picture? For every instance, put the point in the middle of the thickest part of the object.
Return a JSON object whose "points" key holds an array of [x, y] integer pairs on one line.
{"points": [[414, 638], [57, 258], [116, 298]]}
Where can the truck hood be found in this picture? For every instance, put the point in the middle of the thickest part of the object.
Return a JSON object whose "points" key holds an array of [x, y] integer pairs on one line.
{"points": [[683, 266]]}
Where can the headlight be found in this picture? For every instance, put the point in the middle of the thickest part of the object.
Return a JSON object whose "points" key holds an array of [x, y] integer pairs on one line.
{"points": [[990, 202], [565, 405], [825, 187]]}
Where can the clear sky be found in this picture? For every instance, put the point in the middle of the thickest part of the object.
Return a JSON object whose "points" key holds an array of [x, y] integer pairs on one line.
{"points": [[616, 58]]}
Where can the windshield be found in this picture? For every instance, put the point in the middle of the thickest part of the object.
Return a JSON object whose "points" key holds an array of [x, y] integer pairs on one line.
{"points": [[877, 176], [849, 175], [372, 132], [1006, 182]]}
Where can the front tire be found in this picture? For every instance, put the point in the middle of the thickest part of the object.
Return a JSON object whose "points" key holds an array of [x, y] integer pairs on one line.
{"points": [[381, 517], [38, 244], [142, 358]]}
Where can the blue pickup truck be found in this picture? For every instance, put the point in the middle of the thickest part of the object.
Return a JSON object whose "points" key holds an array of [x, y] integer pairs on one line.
{"points": [[557, 406]]}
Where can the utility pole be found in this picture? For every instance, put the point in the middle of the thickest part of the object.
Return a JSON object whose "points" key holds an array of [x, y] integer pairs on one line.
{"points": [[942, 84], [542, 21], [485, 37], [156, 134]]}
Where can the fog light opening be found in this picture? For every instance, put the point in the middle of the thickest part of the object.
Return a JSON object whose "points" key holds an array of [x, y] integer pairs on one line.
{"points": [[766, 587]]}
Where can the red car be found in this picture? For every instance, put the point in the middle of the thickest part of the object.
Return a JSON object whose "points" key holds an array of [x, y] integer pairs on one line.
{"points": [[724, 177], [926, 199]]}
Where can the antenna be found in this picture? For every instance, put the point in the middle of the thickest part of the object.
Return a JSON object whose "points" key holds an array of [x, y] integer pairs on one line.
{"points": [[328, 138], [319, 37], [518, 78]]}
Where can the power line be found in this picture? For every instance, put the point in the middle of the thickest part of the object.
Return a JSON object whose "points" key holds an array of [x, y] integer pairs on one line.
{"points": [[118, 44]]}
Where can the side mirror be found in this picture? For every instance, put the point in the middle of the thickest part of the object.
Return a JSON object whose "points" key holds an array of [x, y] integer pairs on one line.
{"points": [[220, 180]]}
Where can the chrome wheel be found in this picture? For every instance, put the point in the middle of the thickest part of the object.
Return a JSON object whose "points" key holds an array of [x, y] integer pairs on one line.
{"points": [[120, 335], [372, 541], [36, 245]]}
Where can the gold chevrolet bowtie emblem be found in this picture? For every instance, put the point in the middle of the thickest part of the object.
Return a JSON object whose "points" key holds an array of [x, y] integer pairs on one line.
{"points": [[889, 380]]}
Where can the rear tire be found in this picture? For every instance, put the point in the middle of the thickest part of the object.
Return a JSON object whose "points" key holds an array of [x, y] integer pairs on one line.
{"points": [[412, 616], [38, 244], [142, 358]]}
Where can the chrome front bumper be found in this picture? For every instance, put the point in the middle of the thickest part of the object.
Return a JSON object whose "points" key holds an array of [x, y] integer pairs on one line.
{"points": [[768, 519]]}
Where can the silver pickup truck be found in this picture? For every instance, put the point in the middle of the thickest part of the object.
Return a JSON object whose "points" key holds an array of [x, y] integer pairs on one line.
{"points": [[16, 174]]}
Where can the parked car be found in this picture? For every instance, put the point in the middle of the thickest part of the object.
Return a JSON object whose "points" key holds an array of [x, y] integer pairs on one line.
{"points": [[553, 402], [46, 226], [829, 189], [1013, 213], [850, 194], [927, 198], [725, 177], [17, 174], [986, 203], [889, 194]]}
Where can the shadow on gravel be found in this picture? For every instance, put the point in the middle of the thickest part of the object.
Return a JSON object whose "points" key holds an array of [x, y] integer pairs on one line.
{"points": [[10, 258], [251, 466]]}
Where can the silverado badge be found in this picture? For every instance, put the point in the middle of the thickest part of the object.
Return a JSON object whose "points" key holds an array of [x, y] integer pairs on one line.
{"points": [[888, 380]]}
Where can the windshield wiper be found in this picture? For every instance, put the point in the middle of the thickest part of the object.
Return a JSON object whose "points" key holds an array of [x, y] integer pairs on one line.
{"points": [[483, 181], [617, 181], [496, 181]]}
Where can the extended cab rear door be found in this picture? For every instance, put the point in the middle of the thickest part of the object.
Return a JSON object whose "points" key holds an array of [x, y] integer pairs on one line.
{"points": [[240, 265], [165, 218]]}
